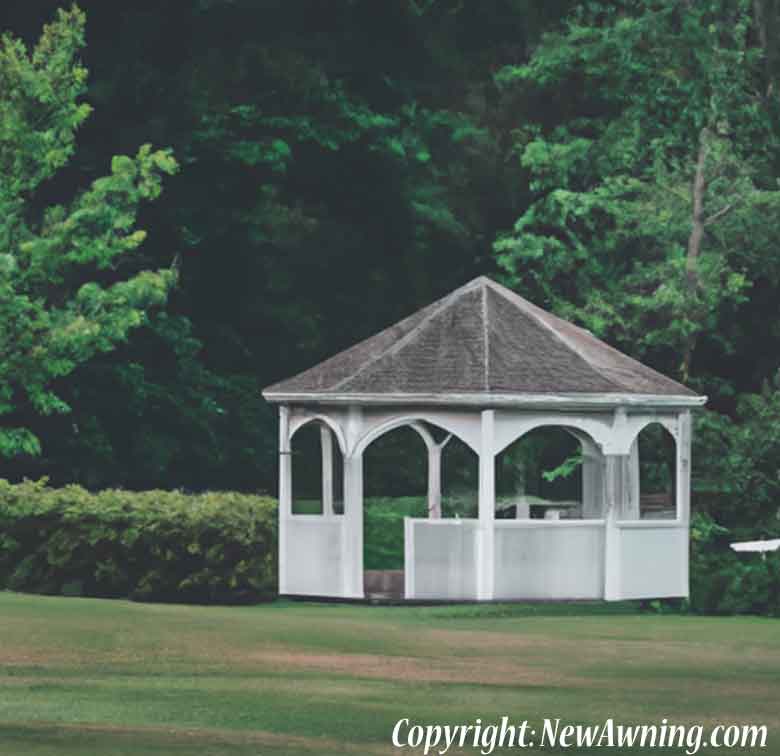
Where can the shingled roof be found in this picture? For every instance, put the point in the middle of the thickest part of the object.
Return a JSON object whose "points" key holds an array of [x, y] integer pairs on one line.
{"points": [[480, 342]]}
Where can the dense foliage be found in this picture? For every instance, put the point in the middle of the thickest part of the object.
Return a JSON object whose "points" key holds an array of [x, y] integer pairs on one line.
{"points": [[724, 582], [344, 163], [153, 545], [66, 291], [328, 151], [650, 178]]}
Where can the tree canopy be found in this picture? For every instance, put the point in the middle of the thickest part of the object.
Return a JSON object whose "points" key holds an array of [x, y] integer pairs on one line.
{"points": [[66, 291], [343, 164]]}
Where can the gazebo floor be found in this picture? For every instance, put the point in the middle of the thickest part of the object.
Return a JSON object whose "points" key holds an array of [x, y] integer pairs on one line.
{"points": [[384, 585], [379, 599]]}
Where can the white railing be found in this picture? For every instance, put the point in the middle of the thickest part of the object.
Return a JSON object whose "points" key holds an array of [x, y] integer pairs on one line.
{"points": [[549, 559], [653, 558], [440, 560], [546, 559], [313, 555], [533, 559]]}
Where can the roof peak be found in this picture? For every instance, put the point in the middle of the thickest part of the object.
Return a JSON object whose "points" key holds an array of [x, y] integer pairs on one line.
{"points": [[482, 280]]}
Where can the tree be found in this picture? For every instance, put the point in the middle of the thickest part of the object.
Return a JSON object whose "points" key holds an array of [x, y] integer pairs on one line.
{"points": [[653, 171], [68, 288], [319, 165]]}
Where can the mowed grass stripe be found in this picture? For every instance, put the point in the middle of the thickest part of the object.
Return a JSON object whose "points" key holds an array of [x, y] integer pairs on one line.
{"points": [[342, 675]]}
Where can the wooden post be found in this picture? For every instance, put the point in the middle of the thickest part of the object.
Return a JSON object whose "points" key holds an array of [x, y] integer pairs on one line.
{"points": [[683, 503], [326, 442], [522, 507], [352, 523], [592, 481], [353, 526], [434, 481], [487, 509], [613, 468], [631, 483], [684, 435], [285, 492]]}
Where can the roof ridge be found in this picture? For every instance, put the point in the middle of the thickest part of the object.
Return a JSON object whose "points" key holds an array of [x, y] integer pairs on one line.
{"points": [[536, 313], [542, 314], [435, 307]]}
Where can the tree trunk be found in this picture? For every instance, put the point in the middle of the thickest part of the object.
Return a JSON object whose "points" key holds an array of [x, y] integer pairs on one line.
{"points": [[765, 20], [698, 190]]}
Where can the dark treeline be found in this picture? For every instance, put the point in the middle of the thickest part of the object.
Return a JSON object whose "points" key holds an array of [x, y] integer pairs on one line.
{"points": [[341, 166], [345, 163]]}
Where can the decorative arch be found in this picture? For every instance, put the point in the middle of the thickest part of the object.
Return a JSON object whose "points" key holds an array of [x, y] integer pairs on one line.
{"points": [[458, 427], [424, 434], [643, 422], [509, 429], [299, 422], [588, 444]]}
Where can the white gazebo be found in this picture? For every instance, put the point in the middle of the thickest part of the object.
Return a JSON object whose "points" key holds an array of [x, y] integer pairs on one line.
{"points": [[487, 366]]}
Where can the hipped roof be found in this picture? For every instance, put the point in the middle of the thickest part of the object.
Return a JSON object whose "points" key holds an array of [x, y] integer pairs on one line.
{"points": [[481, 342]]}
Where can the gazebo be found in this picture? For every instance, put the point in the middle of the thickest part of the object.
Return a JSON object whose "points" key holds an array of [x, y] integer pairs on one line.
{"points": [[487, 366]]}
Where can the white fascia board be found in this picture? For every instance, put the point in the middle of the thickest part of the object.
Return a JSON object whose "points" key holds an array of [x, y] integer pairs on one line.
{"points": [[547, 401]]}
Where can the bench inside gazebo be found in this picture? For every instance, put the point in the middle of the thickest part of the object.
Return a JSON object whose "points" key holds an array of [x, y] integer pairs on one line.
{"points": [[487, 366]]}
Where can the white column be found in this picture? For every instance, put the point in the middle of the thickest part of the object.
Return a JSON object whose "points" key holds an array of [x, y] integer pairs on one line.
{"points": [[326, 442], [592, 481], [434, 481], [683, 440], [285, 492], [487, 509], [352, 522], [522, 507], [631, 487], [613, 494], [353, 527], [684, 437]]}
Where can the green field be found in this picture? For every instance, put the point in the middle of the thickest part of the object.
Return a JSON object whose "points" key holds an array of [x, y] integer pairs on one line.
{"points": [[83, 676]]}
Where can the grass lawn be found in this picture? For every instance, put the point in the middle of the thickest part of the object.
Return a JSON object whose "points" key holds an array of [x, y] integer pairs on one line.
{"points": [[81, 676]]}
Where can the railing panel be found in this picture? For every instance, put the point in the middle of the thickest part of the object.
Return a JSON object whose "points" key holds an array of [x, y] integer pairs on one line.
{"points": [[653, 559], [549, 559], [440, 559], [533, 559], [314, 566]]}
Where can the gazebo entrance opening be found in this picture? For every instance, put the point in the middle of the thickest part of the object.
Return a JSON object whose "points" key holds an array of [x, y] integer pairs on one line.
{"points": [[414, 471]]}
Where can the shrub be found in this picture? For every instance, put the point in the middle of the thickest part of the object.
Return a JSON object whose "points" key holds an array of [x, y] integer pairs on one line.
{"points": [[384, 530], [725, 582], [153, 545], [737, 464]]}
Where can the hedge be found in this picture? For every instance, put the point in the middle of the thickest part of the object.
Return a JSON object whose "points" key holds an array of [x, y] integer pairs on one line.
{"points": [[151, 546]]}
